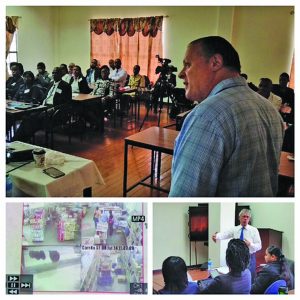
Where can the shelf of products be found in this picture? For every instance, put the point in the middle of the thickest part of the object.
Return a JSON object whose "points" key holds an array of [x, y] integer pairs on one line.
{"points": [[37, 223]]}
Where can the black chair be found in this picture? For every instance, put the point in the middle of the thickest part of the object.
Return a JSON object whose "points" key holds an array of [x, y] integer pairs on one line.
{"points": [[60, 119], [274, 287]]}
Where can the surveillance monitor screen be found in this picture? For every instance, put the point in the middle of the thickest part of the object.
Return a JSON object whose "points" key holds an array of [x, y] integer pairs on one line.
{"points": [[76, 247]]}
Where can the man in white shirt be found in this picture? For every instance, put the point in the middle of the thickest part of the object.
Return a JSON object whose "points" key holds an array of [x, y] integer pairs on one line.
{"points": [[59, 94], [245, 232], [118, 75]]}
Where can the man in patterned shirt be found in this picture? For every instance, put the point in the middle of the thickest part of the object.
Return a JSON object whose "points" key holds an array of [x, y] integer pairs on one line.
{"points": [[230, 143]]}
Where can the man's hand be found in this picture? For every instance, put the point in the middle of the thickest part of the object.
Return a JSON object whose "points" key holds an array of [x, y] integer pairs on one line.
{"points": [[247, 242], [214, 237]]}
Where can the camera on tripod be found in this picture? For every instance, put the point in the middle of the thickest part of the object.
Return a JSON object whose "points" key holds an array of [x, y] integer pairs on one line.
{"points": [[165, 68]]}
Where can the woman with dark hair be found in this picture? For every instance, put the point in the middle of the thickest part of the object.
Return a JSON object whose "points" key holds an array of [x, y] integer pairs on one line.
{"points": [[276, 268], [78, 82], [174, 271], [29, 92], [238, 280], [15, 81]]}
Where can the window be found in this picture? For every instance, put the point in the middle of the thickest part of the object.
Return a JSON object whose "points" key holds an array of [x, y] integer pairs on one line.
{"points": [[13, 51]]}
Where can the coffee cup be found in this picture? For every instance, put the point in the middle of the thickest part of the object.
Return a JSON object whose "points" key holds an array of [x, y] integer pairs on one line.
{"points": [[39, 157]]}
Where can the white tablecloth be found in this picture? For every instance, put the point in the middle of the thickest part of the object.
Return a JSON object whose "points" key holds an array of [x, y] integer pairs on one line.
{"points": [[80, 173]]}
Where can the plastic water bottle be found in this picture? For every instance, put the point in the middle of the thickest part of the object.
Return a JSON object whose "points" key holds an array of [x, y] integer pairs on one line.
{"points": [[209, 265], [9, 186]]}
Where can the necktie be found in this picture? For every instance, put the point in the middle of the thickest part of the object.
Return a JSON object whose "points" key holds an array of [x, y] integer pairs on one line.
{"points": [[242, 234]]}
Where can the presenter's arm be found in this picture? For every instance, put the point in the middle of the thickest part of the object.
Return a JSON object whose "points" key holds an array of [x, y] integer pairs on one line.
{"points": [[255, 245], [228, 234]]}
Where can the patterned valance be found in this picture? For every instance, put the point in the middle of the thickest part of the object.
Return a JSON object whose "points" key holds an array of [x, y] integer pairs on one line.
{"points": [[129, 26], [11, 24]]}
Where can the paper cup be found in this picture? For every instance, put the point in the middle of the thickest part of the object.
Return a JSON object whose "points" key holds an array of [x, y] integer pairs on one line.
{"points": [[39, 157]]}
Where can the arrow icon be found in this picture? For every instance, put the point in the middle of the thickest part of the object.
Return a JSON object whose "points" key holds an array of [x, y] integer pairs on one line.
{"points": [[13, 278], [13, 291], [25, 285]]}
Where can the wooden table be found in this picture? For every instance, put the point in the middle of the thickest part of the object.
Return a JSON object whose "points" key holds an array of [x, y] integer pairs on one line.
{"points": [[156, 139], [15, 114], [286, 167], [84, 100], [286, 175], [196, 274]]}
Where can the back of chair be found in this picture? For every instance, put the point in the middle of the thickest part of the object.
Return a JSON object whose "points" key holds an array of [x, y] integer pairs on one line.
{"points": [[273, 288]]}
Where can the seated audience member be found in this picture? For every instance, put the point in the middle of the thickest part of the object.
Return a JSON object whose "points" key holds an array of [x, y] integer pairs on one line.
{"points": [[174, 271], [135, 81], [93, 73], [65, 74], [104, 88], [265, 88], [251, 85], [118, 75], [29, 92], [111, 65], [276, 268], [238, 280], [42, 76], [59, 94], [287, 95], [71, 68], [78, 82], [15, 81]]}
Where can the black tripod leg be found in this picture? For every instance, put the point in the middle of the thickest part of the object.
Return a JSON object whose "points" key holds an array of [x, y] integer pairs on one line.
{"points": [[146, 116]]}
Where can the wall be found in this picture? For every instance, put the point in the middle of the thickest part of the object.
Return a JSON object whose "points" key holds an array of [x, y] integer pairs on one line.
{"points": [[264, 37], [14, 213], [170, 234], [36, 40], [61, 34], [278, 216]]}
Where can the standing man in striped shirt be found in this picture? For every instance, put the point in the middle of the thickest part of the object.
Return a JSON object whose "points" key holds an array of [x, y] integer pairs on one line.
{"points": [[230, 143]]}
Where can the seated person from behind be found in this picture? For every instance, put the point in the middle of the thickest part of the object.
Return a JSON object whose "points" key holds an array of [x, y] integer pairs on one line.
{"points": [[15, 81], [287, 95], [29, 92], [174, 271], [265, 88], [59, 95], [238, 280], [276, 268], [43, 78], [78, 82]]}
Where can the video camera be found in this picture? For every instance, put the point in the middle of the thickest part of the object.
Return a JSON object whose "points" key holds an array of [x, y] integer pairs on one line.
{"points": [[165, 68]]}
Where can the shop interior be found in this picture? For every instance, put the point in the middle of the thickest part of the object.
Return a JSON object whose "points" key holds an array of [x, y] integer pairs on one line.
{"points": [[95, 244]]}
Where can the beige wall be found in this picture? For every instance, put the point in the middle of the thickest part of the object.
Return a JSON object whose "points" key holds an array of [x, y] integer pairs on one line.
{"points": [[263, 36], [170, 234]]}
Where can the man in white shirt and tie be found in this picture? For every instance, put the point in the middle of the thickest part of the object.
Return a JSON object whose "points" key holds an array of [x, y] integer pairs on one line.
{"points": [[118, 75], [245, 232]]}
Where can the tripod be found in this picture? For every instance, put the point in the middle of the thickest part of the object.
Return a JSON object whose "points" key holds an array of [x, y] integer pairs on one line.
{"points": [[163, 90]]}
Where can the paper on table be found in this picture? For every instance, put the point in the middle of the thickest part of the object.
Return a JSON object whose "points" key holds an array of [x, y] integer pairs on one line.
{"points": [[223, 270]]}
